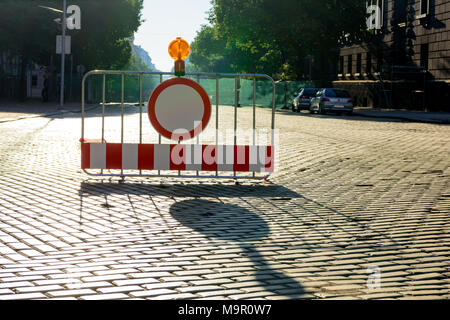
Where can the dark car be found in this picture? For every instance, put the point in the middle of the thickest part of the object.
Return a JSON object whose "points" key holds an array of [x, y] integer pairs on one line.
{"points": [[303, 100], [332, 99]]}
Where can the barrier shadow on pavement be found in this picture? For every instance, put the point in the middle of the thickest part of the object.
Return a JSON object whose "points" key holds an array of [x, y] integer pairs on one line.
{"points": [[272, 194], [230, 222], [187, 190], [215, 219], [205, 209]]}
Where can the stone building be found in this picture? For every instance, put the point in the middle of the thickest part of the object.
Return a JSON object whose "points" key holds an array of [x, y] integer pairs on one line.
{"points": [[406, 64]]}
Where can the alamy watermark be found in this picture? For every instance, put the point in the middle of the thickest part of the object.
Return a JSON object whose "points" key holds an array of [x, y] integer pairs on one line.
{"points": [[259, 148], [74, 18], [374, 21], [374, 279]]}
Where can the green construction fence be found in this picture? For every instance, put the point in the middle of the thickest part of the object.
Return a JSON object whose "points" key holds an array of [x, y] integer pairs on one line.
{"points": [[285, 90]]}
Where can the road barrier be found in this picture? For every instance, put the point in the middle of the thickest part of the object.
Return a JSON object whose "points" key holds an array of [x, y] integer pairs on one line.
{"points": [[173, 107]]}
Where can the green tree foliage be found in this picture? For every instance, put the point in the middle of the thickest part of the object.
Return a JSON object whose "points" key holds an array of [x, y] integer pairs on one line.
{"points": [[21, 25], [209, 51], [274, 37], [29, 31], [103, 42], [136, 64]]}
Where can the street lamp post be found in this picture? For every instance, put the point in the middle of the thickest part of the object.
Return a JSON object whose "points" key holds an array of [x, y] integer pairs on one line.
{"points": [[63, 52], [77, 15]]}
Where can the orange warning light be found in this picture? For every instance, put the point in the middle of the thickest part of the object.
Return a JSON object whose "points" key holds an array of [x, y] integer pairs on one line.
{"points": [[179, 49]]}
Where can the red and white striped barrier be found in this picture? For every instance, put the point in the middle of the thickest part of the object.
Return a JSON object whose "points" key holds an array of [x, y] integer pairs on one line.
{"points": [[180, 157], [179, 109]]}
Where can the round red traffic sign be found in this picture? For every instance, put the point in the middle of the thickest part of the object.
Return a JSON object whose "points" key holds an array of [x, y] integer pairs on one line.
{"points": [[179, 109]]}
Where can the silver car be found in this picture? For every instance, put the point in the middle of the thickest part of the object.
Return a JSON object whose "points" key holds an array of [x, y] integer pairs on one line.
{"points": [[332, 99], [303, 99]]}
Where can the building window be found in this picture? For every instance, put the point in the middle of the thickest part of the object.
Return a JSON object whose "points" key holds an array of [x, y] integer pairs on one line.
{"points": [[399, 47], [341, 64], [424, 56], [424, 7], [349, 64], [368, 63], [358, 63], [400, 11]]}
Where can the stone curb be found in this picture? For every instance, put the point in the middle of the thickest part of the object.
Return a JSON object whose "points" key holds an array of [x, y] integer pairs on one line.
{"points": [[42, 115], [355, 112], [434, 121], [384, 116]]}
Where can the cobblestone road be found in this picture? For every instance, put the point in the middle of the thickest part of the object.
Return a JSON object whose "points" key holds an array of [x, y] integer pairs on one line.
{"points": [[354, 201]]}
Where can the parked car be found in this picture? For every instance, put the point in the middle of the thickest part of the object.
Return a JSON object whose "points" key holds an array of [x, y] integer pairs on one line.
{"points": [[303, 100], [332, 99]]}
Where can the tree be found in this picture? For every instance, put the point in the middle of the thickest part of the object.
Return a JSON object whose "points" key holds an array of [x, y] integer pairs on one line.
{"points": [[209, 51], [29, 32], [275, 37], [20, 27], [137, 64], [107, 26]]}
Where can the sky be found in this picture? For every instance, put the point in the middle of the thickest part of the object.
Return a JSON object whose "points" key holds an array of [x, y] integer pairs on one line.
{"points": [[164, 21]]}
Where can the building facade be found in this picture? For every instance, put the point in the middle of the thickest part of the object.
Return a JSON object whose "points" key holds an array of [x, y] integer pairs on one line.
{"points": [[406, 63]]}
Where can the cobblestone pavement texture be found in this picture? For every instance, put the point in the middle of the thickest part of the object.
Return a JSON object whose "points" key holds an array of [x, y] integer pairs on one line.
{"points": [[351, 195]]}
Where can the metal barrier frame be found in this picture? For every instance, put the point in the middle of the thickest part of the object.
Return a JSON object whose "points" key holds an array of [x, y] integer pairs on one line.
{"points": [[236, 76]]}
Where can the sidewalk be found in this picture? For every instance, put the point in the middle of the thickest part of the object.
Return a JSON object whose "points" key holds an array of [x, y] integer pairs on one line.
{"points": [[14, 110], [415, 116]]}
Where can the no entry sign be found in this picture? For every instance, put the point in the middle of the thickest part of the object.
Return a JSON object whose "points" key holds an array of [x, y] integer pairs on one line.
{"points": [[179, 109]]}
